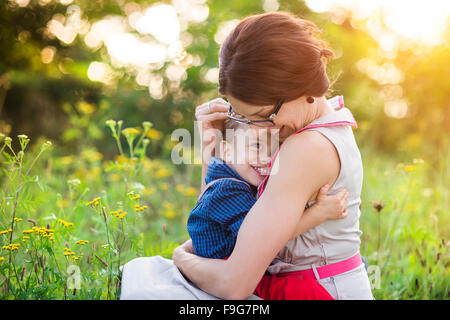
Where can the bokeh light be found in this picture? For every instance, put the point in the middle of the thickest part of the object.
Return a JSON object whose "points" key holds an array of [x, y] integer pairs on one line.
{"points": [[416, 20]]}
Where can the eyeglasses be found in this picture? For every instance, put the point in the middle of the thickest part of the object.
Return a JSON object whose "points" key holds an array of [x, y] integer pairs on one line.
{"points": [[260, 123]]}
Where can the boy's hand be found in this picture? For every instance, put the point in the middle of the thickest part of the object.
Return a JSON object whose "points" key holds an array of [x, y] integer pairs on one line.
{"points": [[334, 206]]}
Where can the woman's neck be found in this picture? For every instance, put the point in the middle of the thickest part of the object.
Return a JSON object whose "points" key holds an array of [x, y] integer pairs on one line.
{"points": [[319, 109]]}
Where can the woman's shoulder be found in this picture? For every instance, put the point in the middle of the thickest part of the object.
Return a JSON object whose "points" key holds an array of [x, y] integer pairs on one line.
{"points": [[312, 151], [307, 144]]}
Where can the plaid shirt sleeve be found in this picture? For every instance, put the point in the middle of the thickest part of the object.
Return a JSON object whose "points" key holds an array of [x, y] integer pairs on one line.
{"points": [[230, 202]]}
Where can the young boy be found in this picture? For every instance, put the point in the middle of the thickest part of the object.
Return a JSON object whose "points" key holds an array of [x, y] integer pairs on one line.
{"points": [[231, 191]]}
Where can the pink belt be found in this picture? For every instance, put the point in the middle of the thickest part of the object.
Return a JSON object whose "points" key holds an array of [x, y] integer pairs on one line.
{"points": [[329, 270]]}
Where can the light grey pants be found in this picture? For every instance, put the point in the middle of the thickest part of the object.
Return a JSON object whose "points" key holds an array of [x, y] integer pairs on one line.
{"points": [[157, 278]]}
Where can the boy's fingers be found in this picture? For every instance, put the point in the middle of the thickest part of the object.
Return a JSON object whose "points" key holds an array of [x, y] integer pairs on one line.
{"points": [[341, 194], [345, 198], [324, 190]]}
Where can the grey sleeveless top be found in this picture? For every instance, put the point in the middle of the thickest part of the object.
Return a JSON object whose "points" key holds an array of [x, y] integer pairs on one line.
{"points": [[333, 240]]}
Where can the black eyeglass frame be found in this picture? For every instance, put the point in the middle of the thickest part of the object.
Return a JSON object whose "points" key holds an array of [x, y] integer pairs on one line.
{"points": [[257, 122]]}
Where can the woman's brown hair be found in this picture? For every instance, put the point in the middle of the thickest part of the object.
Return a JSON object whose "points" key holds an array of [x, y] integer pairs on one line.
{"points": [[273, 56]]}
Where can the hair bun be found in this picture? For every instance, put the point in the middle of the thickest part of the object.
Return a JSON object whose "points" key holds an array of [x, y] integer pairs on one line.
{"points": [[327, 54]]}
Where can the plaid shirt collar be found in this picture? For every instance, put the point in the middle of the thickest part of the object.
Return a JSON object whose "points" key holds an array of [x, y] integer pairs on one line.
{"points": [[219, 169]]}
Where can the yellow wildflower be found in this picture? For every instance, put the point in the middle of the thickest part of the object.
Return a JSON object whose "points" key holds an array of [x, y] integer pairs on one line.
{"points": [[65, 223], [190, 191], [2, 259], [138, 208], [179, 188], [122, 215], [136, 197], [86, 108], [130, 132], [4, 232], [94, 201], [409, 168], [154, 134], [11, 247], [18, 219], [28, 231], [162, 173], [170, 214]]}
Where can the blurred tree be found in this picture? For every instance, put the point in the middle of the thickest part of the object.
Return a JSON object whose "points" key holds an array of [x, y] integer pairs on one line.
{"points": [[60, 68]]}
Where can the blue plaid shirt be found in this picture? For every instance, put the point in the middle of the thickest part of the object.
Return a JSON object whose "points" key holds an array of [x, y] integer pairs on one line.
{"points": [[214, 222]]}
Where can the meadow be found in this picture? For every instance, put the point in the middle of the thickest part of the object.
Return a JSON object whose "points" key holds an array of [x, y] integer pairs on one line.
{"points": [[90, 94], [69, 222]]}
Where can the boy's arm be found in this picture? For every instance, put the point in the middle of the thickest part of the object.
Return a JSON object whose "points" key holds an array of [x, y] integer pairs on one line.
{"points": [[326, 208]]}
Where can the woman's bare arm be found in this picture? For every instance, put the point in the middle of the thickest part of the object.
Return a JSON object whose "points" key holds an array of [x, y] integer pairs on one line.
{"points": [[271, 221]]}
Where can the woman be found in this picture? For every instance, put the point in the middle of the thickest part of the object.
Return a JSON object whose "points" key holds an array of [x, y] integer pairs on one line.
{"points": [[268, 60]]}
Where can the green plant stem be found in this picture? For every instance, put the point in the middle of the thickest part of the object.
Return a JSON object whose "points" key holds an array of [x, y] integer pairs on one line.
{"points": [[109, 254], [17, 277], [141, 138], [16, 197], [119, 145], [33, 162]]}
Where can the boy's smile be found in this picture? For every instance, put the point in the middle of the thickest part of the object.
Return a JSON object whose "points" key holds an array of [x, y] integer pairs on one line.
{"points": [[249, 153]]}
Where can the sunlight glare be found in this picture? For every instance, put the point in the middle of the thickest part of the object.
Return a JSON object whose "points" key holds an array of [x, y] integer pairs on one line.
{"points": [[160, 21], [396, 108], [420, 21]]}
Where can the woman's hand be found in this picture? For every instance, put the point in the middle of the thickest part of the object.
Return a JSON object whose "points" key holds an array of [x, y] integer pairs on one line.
{"points": [[210, 121], [212, 114], [180, 251]]}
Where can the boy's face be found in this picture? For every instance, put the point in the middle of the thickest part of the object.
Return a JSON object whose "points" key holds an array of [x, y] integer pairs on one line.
{"points": [[249, 152]]}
